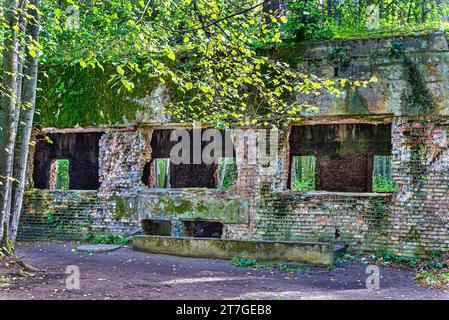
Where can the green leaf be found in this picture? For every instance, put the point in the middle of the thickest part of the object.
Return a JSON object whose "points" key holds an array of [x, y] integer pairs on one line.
{"points": [[120, 70], [171, 56]]}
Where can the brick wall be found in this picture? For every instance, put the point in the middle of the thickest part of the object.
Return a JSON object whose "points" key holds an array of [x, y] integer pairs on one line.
{"points": [[57, 215], [362, 221], [414, 221], [345, 173], [421, 170]]}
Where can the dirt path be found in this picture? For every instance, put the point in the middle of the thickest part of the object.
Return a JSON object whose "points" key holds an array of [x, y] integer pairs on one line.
{"points": [[126, 274]]}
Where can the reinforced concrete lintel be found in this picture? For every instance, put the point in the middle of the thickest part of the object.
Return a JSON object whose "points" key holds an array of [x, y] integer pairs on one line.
{"points": [[372, 119]]}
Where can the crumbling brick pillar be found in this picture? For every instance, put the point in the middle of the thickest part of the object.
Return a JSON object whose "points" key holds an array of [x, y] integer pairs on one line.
{"points": [[262, 158], [123, 155], [421, 171], [262, 163], [246, 158]]}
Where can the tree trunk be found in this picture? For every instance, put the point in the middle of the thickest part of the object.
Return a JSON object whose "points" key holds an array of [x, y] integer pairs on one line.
{"points": [[167, 174], [8, 115], [22, 25], [223, 171], [29, 87]]}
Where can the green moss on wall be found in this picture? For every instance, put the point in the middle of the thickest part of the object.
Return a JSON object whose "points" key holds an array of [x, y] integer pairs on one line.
{"points": [[419, 100], [225, 210], [70, 96], [124, 208]]}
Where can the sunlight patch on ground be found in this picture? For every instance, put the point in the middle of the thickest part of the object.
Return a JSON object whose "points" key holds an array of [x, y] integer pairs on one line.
{"points": [[203, 279]]}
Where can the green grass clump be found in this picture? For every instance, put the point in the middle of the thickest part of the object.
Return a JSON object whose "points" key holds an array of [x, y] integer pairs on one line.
{"points": [[108, 239]]}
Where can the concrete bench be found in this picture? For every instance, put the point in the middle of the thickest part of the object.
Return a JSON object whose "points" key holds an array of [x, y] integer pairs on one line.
{"points": [[313, 253]]}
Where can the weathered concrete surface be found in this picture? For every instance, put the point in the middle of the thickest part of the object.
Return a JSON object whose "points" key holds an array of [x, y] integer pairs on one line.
{"points": [[313, 253], [414, 83], [98, 248], [191, 203]]}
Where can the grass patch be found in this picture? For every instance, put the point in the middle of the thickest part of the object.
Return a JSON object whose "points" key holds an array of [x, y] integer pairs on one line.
{"points": [[242, 261], [108, 239], [4, 282]]}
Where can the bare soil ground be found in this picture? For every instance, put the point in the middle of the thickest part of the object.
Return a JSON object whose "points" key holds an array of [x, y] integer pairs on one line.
{"points": [[126, 274]]}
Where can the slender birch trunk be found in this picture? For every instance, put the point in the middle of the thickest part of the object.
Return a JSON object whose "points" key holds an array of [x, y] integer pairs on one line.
{"points": [[29, 88], [8, 115], [223, 171], [167, 174], [21, 46]]}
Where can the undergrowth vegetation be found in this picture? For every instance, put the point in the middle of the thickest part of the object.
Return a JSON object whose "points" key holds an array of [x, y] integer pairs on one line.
{"points": [[430, 272], [242, 261], [108, 239], [340, 20]]}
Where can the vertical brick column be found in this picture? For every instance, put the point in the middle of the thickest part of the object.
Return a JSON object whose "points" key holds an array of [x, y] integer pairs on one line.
{"points": [[421, 171], [123, 154], [252, 174], [253, 177]]}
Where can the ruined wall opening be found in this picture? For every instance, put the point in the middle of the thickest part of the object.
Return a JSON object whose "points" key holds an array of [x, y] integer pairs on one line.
{"points": [[303, 173], [344, 156], [156, 173], [227, 172], [196, 173], [383, 171], [79, 151], [156, 227], [59, 175], [203, 229]]}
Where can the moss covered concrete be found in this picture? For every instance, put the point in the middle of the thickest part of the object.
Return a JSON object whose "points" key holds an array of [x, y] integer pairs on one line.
{"points": [[73, 96], [194, 206], [319, 254]]}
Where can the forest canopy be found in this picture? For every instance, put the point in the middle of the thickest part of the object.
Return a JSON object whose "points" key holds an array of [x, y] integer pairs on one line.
{"points": [[213, 56]]}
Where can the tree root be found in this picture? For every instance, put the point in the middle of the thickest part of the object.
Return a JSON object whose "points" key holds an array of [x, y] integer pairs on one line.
{"points": [[9, 253]]}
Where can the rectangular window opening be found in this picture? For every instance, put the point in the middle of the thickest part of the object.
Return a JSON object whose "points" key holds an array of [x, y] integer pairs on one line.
{"points": [[67, 161], [59, 175], [383, 181], [156, 173], [227, 170], [203, 229], [343, 157], [156, 227], [196, 172], [303, 173]]}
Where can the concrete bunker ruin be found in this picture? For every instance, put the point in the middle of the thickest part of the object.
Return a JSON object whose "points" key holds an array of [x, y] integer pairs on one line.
{"points": [[366, 133]]}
